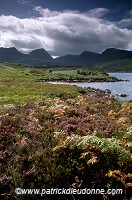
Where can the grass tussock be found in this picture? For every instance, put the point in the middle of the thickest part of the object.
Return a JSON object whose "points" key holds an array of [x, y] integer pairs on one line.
{"points": [[20, 87]]}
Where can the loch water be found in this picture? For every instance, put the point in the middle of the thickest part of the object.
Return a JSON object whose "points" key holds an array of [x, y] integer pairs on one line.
{"points": [[116, 88]]}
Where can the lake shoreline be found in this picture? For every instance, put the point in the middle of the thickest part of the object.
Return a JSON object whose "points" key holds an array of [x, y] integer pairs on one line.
{"points": [[83, 80], [97, 92]]}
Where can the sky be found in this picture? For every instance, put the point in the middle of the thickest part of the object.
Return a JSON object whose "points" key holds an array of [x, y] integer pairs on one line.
{"points": [[64, 27]]}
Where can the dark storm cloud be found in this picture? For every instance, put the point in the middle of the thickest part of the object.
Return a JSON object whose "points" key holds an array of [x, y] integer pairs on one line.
{"points": [[64, 32]]}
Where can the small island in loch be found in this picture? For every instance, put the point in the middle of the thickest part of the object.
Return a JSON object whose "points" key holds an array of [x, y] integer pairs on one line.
{"points": [[74, 75]]}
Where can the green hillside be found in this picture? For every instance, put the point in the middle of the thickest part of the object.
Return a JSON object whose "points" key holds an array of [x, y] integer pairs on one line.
{"points": [[118, 65]]}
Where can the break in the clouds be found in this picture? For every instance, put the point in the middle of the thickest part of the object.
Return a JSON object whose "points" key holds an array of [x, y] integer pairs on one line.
{"points": [[66, 32], [127, 21]]}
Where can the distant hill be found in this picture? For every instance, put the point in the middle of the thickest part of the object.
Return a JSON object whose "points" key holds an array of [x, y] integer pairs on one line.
{"points": [[112, 54], [90, 58], [82, 59], [10, 54], [109, 58], [36, 57], [124, 65], [41, 54]]}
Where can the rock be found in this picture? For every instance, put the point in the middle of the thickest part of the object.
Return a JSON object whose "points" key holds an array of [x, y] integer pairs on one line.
{"points": [[123, 95], [97, 92], [107, 91]]}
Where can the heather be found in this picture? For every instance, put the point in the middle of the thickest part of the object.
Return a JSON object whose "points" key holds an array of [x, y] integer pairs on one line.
{"points": [[62, 136], [80, 142]]}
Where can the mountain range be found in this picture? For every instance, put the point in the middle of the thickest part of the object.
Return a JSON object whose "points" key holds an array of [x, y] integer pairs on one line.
{"points": [[40, 57], [36, 57]]}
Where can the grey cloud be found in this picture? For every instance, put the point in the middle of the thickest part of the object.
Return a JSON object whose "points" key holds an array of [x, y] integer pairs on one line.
{"points": [[29, 44], [64, 32]]}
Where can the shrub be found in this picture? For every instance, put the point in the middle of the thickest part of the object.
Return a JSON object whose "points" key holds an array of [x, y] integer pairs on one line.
{"points": [[62, 143]]}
